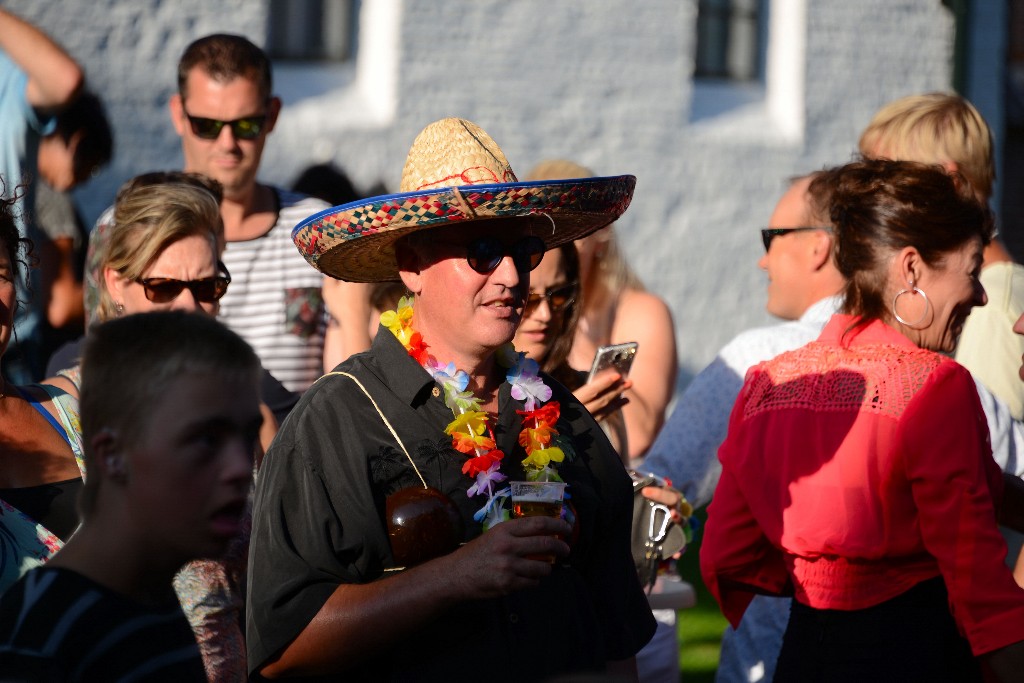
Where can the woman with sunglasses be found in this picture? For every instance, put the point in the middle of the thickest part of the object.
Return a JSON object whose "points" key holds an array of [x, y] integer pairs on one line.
{"points": [[157, 259], [546, 335], [616, 308], [161, 253]]}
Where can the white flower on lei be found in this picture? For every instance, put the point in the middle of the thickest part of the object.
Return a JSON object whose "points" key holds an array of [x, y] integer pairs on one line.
{"points": [[527, 386]]}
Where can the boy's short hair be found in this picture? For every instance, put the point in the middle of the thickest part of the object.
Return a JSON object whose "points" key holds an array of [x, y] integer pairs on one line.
{"points": [[934, 128], [128, 363]]}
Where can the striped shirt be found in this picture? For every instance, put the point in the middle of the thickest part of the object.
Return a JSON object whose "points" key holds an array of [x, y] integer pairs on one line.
{"points": [[57, 625], [274, 301]]}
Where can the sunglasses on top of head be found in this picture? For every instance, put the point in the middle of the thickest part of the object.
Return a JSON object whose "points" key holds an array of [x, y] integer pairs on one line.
{"points": [[485, 254], [245, 128], [207, 290]]}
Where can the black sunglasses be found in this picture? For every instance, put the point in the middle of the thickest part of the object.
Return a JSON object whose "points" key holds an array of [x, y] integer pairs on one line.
{"points": [[557, 298], [486, 253], [207, 290], [768, 234], [245, 128]]}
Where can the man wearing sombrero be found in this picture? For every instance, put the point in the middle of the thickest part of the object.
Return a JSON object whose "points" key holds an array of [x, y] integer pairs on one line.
{"points": [[382, 543]]}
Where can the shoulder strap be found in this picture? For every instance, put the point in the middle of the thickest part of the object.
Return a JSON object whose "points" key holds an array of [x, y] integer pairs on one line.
{"points": [[73, 375], [387, 423], [43, 411]]}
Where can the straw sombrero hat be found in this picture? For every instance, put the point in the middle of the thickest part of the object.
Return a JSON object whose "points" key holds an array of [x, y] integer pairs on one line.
{"points": [[454, 173]]}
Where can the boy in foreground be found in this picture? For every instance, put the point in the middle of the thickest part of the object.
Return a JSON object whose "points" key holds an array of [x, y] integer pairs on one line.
{"points": [[170, 415]]}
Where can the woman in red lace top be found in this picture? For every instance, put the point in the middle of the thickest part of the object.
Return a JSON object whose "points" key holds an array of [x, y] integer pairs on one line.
{"points": [[857, 474]]}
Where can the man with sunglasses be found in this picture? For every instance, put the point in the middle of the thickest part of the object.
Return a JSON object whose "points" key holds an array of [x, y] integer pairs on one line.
{"points": [[224, 110], [378, 550]]}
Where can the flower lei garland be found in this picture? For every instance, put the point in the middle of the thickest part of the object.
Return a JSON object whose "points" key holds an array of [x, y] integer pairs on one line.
{"points": [[471, 430]]}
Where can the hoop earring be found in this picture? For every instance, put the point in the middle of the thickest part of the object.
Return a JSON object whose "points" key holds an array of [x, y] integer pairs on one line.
{"points": [[927, 306]]}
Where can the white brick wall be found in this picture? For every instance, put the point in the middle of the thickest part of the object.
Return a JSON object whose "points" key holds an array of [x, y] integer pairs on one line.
{"points": [[603, 82]]}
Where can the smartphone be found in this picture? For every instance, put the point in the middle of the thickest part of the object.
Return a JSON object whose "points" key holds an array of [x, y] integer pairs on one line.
{"points": [[618, 356]]}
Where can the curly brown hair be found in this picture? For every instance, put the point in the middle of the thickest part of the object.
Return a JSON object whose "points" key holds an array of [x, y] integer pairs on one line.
{"points": [[19, 249]]}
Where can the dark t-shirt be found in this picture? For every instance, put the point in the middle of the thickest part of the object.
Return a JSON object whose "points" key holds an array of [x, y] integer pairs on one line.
{"points": [[57, 625], [319, 522]]}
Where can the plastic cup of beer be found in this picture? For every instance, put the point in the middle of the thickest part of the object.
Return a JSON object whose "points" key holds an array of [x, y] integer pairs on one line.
{"points": [[538, 499]]}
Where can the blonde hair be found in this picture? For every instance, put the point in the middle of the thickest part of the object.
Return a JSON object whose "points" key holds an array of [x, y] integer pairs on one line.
{"points": [[559, 169], [147, 220], [610, 273], [934, 128]]}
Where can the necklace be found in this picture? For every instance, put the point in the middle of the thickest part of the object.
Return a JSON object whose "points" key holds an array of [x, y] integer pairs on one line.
{"points": [[472, 429]]}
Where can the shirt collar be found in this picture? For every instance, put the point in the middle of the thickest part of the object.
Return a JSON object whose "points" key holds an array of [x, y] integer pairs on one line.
{"points": [[821, 310], [406, 378]]}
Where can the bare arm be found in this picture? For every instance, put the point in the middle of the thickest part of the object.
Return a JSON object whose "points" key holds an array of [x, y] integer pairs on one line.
{"points": [[53, 76], [644, 318], [1018, 568], [348, 327], [359, 619], [63, 291], [268, 430]]}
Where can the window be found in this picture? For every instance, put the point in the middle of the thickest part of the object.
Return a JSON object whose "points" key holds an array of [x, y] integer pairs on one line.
{"points": [[311, 30], [749, 71], [360, 88], [729, 40]]}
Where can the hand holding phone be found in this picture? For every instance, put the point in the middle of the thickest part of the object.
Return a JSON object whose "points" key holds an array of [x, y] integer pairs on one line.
{"points": [[618, 356], [603, 396]]}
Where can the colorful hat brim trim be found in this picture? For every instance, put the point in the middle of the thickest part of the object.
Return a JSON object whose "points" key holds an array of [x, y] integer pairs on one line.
{"points": [[355, 241]]}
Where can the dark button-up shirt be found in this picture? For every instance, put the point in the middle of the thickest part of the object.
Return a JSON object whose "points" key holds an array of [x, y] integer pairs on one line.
{"points": [[319, 522]]}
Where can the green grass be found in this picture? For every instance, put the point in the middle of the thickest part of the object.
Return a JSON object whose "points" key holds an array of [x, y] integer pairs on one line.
{"points": [[700, 628]]}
